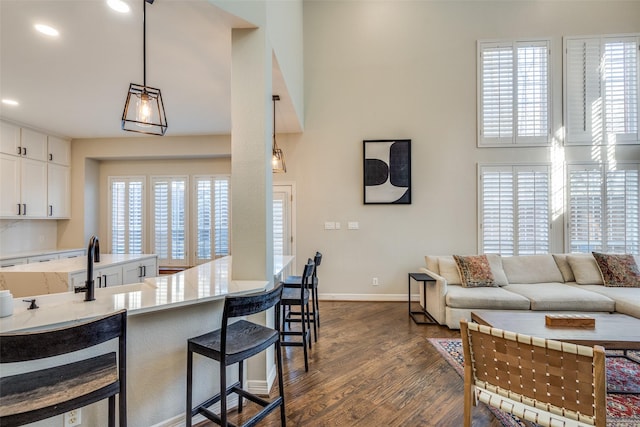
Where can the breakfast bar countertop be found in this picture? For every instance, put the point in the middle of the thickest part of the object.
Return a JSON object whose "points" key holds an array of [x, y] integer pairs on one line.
{"points": [[203, 283]]}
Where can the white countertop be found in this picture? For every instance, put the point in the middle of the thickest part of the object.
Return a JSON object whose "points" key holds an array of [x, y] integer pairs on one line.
{"points": [[206, 282], [72, 265]]}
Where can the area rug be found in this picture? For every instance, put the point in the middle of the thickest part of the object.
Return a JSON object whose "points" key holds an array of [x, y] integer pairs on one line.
{"points": [[623, 410]]}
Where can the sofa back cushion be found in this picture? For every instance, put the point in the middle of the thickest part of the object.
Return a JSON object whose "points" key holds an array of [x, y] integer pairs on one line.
{"points": [[531, 269], [432, 263], [585, 269], [565, 268]]}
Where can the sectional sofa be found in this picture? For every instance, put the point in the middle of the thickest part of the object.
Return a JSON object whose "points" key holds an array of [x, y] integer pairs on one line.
{"points": [[549, 282]]}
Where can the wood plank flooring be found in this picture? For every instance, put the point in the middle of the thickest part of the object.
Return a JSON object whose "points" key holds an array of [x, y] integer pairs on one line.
{"points": [[372, 366]]}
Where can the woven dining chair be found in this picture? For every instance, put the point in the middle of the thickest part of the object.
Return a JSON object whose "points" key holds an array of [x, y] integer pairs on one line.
{"points": [[550, 383]]}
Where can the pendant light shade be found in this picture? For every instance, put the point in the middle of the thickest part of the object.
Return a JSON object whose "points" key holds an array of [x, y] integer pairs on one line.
{"points": [[144, 109], [277, 157]]}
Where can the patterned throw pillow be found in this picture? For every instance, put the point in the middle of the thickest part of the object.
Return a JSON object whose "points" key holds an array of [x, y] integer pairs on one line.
{"points": [[475, 271], [618, 270]]}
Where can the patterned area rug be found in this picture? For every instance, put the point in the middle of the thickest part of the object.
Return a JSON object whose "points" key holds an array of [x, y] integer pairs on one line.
{"points": [[623, 410]]}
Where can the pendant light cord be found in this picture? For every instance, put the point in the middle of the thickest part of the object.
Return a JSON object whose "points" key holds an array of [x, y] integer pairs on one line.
{"points": [[144, 43]]}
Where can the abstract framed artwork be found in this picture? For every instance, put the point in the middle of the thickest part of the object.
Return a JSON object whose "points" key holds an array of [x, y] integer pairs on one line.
{"points": [[387, 171]]}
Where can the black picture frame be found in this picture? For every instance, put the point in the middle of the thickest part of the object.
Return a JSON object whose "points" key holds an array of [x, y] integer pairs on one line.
{"points": [[387, 171]]}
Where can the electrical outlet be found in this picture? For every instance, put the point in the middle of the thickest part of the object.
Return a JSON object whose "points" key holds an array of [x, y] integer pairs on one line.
{"points": [[374, 281], [72, 418]]}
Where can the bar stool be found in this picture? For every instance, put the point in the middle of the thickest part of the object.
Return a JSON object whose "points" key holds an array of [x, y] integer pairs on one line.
{"points": [[231, 344], [293, 281], [297, 295], [36, 395]]}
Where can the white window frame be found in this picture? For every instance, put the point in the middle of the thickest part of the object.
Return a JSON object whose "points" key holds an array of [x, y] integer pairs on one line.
{"points": [[170, 261], [513, 138], [517, 246], [602, 228], [127, 180], [585, 93], [194, 220]]}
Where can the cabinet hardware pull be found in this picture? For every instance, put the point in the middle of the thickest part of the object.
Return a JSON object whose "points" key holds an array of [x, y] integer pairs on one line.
{"points": [[19, 211], [50, 157], [105, 280], [99, 281], [19, 151], [144, 271], [24, 209], [50, 210], [24, 151]]}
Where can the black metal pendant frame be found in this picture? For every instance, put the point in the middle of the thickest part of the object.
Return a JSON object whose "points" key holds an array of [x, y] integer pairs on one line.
{"points": [[150, 128]]}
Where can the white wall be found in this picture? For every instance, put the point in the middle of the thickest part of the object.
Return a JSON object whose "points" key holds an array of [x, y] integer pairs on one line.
{"points": [[389, 69]]}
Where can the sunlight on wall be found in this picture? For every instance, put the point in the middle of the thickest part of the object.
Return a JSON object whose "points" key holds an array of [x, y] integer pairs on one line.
{"points": [[557, 157], [597, 130]]}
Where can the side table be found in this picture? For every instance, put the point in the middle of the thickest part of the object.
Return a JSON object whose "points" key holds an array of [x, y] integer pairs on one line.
{"points": [[421, 317]]}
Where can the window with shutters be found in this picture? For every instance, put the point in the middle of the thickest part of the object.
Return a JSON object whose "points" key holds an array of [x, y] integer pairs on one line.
{"points": [[169, 198], [514, 209], [127, 211], [514, 93], [601, 80], [604, 208], [211, 217]]}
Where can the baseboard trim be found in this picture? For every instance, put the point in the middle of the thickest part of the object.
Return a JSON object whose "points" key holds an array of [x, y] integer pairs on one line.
{"points": [[179, 421], [366, 297]]}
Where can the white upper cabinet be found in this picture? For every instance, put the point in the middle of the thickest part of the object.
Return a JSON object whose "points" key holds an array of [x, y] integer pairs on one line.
{"points": [[59, 151], [33, 144], [10, 139]]}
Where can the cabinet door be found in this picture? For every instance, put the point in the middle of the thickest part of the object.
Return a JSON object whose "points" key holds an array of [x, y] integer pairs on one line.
{"points": [[109, 276], [71, 254], [150, 267], [13, 261], [77, 280], [9, 186], [58, 191], [42, 258], [10, 139], [132, 273], [59, 151], [33, 192], [34, 144]]}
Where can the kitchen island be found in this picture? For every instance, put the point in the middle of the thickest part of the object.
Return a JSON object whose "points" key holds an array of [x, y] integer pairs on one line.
{"points": [[162, 312]]}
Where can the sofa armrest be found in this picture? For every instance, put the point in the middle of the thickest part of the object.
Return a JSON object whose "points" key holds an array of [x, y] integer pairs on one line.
{"points": [[435, 297]]}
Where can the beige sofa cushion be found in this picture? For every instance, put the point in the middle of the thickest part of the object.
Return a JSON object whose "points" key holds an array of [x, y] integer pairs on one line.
{"points": [[560, 296], [448, 269], [564, 267], [531, 269], [492, 298], [627, 299], [585, 269]]}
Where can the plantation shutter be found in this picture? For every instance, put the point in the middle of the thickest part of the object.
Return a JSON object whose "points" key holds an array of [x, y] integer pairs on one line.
{"points": [[585, 208], [515, 209], [211, 217], [497, 221], [170, 233], [601, 89], [127, 215], [222, 215], [622, 209], [514, 92], [204, 219]]}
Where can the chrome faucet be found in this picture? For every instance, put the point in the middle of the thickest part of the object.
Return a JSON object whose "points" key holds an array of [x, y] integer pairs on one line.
{"points": [[93, 253]]}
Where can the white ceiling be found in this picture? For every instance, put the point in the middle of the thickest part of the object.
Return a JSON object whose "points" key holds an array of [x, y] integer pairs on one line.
{"points": [[75, 85]]}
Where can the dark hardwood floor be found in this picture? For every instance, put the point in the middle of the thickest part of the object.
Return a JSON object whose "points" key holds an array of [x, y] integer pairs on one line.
{"points": [[372, 366]]}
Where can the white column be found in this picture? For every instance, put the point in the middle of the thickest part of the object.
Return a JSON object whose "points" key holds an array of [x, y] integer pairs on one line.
{"points": [[251, 176]]}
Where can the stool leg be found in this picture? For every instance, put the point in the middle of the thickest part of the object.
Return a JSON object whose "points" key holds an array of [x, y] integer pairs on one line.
{"points": [[223, 394], [240, 375], [112, 411], [283, 417], [189, 388]]}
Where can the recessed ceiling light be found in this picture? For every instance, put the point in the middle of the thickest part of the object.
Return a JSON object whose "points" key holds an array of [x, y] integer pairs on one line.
{"points": [[118, 6], [9, 101], [47, 30]]}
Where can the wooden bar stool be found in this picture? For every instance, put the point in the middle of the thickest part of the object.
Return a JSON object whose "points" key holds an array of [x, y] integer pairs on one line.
{"points": [[296, 281], [36, 395], [298, 296], [231, 344]]}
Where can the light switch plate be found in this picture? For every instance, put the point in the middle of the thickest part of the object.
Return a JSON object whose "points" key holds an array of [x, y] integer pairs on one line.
{"points": [[329, 225], [353, 225]]}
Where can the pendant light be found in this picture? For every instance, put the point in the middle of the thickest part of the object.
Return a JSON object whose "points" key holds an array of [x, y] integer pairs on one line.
{"points": [[144, 110], [277, 158]]}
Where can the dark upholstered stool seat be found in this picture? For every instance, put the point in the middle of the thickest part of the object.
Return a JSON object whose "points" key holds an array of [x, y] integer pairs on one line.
{"points": [[242, 337], [37, 395]]}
